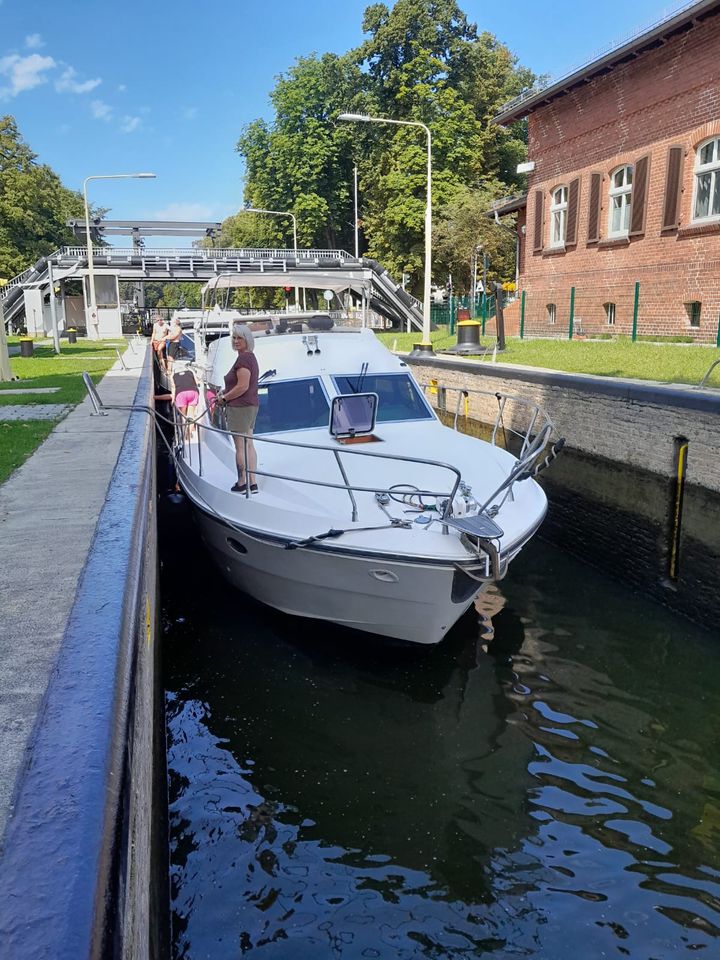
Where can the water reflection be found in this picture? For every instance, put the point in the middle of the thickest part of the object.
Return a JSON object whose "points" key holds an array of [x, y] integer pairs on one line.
{"points": [[546, 779]]}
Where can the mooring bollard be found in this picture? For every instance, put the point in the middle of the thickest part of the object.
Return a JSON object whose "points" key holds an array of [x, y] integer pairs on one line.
{"points": [[26, 346]]}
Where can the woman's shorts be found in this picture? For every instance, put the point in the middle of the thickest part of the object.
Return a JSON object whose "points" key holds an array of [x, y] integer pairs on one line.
{"points": [[187, 398], [173, 349], [241, 419]]}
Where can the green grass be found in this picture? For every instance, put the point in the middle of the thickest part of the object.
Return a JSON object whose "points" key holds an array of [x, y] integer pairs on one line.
{"points": [[667, 363], [47, 369], [18, 439]]}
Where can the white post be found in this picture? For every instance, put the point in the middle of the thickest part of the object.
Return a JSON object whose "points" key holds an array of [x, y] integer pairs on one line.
{"points": [[91, 317], [5, 371], [357, 246], [53, 310]]}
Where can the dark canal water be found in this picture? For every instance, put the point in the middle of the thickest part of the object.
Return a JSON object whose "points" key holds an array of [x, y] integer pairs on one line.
{"points": [[544, 784]]}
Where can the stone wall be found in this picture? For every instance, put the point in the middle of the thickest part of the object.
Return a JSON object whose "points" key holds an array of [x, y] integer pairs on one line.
{"points": [[624, 421]]}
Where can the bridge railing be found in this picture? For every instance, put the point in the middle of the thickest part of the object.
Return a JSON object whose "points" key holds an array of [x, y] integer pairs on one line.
{"points": [[207, 253]]}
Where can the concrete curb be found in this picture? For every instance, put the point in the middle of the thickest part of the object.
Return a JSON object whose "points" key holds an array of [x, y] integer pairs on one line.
{"points": [[75, 863]]}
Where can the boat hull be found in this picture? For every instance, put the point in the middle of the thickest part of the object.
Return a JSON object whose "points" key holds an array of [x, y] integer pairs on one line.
{"points": [[417, 602]]}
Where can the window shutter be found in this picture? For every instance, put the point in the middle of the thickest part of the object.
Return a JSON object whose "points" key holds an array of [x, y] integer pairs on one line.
{"points": [[673, 185], [594, 208], [639, 196], [572, 212], [538, 244]]}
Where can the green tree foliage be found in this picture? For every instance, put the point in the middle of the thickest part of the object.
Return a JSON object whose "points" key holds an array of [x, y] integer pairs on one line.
{"points": [[461, 228], [421, 60], [34, 205]]}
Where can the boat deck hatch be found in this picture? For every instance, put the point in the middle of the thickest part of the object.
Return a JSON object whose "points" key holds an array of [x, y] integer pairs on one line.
{"points": [[478, 526]]}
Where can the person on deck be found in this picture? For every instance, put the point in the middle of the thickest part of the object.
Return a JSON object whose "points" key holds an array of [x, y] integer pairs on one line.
{"points": [[186, 395], [174, 337], [159, 337], [240, 397]]}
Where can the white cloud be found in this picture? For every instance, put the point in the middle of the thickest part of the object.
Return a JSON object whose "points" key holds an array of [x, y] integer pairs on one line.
{"points": [[129, 124], [100, 110], [24, 73], [187, 211], [68, 82], [34, 41]]}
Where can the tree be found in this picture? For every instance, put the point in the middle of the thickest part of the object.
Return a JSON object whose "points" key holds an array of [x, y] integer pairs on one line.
{"points": [[34, 205], [303, 161], [462, 228], [421, 60]]}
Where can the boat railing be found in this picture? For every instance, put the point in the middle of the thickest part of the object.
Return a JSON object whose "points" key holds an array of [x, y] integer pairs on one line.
{"points": [[511, 408], [184, 426]]}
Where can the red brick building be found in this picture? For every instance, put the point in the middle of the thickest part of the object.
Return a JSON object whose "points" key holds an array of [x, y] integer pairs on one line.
{"points": [[622, 214]]}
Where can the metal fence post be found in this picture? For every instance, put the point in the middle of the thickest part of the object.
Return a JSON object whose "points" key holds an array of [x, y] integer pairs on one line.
{"points": [[635, 311], [452, 316], [522, 315], [572, 313], [483, 311]]}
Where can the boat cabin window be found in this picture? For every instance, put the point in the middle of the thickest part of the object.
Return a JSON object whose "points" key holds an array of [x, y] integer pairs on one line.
{"points": [[291, 405], [398, 397]]}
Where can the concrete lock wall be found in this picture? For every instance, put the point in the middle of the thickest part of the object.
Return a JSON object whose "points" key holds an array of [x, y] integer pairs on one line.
{"points": [[612, 491], [84, 857]]}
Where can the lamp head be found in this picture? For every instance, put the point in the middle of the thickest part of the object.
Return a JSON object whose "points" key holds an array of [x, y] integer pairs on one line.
{"points": [[353, 116], [146, 176]]}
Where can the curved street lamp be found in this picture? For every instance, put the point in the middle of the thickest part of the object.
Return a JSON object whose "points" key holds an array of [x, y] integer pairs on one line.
{"points": [[425, 346], [281, 213], [91, 314]]}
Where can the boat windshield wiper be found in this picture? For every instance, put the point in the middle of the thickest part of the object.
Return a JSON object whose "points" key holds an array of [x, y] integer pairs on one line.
{"points": [[361, 379], [267, 375]]}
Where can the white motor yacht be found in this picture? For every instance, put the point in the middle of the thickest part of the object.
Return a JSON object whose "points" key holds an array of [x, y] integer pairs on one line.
{"points": [[370, 512]]}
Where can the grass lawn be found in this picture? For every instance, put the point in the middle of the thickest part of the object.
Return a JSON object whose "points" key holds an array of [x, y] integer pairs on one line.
{"points": [[20, 438], [671, 363], [48, 369]]}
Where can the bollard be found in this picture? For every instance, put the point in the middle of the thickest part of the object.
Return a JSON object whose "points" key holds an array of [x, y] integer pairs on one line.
{"points": [[26, 347], [72, 335]]}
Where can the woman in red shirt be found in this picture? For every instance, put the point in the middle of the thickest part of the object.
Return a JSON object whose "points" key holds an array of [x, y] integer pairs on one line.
{"points": [[241, 405]]}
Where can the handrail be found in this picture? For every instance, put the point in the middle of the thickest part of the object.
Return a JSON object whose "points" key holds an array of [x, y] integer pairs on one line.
{"points": [[208, 253], [707, 375]]}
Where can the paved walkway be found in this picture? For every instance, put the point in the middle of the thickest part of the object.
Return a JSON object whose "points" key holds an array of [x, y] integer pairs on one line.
{"points": [[32, 411], [48, 512]]}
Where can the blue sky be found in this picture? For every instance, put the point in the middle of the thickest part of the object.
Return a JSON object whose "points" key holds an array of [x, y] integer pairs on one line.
{"points": [[167, 85]]}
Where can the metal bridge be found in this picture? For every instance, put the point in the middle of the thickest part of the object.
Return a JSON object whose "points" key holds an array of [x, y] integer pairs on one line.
{"points": [[26, 293]]}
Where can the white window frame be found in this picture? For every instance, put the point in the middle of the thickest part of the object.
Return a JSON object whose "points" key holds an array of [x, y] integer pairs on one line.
{"points": [[551, 309], [703, 169], [558, 216], [610, 313], [624, 192]]}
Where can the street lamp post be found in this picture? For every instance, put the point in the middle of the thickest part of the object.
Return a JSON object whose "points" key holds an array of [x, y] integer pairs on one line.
{"points": [[425, 346], [91, 314], [357, 245], [282, 213]]}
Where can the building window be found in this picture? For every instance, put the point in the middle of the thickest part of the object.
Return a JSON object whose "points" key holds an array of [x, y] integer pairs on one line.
{"points": [[551, 312], [693, 312], [610, 313], [707, 181], [620, 202], [558, 216]]}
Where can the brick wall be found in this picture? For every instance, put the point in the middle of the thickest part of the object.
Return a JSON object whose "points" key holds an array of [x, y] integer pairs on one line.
{"points": [[667, 97]]}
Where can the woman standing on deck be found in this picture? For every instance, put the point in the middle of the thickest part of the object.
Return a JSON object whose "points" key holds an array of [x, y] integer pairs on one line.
{"points": [[241, 399]]}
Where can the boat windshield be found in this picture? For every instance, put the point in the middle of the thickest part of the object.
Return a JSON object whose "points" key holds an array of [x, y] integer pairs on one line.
{"points": [[291, 405], [398, 397]]}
